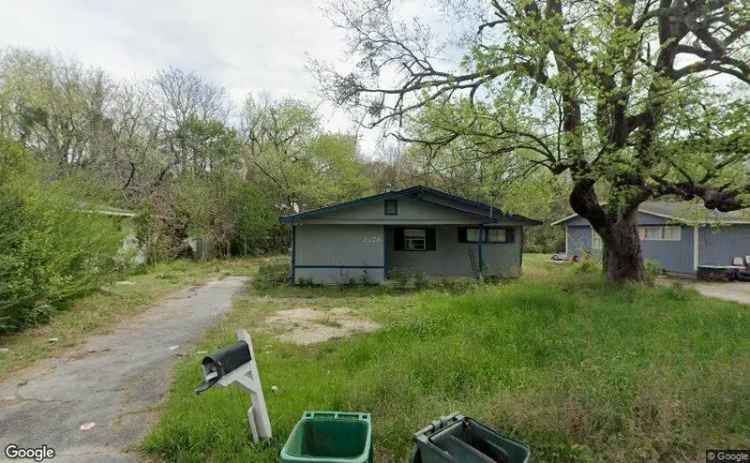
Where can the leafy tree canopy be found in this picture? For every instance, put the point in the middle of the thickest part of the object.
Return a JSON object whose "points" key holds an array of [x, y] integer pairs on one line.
{"points": [[631, 99]]}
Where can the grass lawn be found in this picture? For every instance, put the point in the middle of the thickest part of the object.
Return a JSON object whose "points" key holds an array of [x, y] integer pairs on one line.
{"points": [[581, 371], [102, 308]]}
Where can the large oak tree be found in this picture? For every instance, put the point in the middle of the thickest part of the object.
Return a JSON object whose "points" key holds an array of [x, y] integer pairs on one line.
{"points": [[632, 99]]}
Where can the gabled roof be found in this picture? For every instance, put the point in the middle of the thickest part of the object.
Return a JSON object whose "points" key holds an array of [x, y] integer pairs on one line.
{"points": [[423, 193], [684, 212]]}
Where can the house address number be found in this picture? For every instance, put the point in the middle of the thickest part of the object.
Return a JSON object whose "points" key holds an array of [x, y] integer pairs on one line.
{"points": [[372, 240]]}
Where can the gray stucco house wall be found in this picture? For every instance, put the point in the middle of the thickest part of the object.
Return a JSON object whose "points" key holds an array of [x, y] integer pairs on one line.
{"points": [[713, 240], [332, 253], [363, 240]]}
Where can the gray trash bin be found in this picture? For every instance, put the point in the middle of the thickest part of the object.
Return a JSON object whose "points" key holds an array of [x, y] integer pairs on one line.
{"points": [[463, 440]]}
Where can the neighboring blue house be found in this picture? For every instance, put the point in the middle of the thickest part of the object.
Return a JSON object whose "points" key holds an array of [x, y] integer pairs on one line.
{"points": [[678, 235]]}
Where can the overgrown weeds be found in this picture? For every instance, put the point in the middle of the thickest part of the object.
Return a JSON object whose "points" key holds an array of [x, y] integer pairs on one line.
{"points": [[580, 370], [273, 272]]}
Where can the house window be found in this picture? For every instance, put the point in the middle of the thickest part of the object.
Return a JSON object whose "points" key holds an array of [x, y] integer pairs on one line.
{"points": [[472, 235], [415, 239], [596, 241], [497, 235], [489, 235], [660, 233], [391, 207]]}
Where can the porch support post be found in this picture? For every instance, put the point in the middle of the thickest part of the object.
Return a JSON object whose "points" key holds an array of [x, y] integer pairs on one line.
{"points": [[293, 234], [385, 252], [696, 248], [479, 251]]}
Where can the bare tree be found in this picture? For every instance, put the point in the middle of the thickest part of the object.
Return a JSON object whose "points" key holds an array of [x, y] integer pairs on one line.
{"points": [[56, 107], [182, 97]]}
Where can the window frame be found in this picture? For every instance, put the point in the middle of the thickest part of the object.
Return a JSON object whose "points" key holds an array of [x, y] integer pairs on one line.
{"points": [[479, 235], [662, 233], [484, 237], [394, 202], [596, 241], [407, 240], [505, 230]]}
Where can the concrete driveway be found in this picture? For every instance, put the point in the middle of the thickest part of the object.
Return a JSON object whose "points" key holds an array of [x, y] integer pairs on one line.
{"points": [[113, 380], [735, 291]]}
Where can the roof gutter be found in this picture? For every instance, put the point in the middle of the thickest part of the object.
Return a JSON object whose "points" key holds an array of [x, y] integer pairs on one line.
{"points": [[669, 217]]}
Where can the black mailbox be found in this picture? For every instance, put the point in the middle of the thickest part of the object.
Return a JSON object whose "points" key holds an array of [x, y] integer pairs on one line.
{"points": [[223, 362]]}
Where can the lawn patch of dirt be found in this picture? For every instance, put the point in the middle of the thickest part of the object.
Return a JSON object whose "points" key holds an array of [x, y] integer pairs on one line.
{"points": [[304, 326]]}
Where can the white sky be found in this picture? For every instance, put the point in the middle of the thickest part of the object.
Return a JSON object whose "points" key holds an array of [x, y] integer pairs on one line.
{"points": [[246, 46]]}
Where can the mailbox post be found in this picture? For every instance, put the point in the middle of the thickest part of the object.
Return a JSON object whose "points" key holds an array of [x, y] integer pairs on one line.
{"points": [[236, 364]]}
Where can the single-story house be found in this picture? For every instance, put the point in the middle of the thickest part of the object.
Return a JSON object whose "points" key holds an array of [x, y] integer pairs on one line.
{"points": [[680, 236], [414, 230]]}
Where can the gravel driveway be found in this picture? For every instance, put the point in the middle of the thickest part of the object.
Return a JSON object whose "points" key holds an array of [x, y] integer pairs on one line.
{"points": [[113, 381]]}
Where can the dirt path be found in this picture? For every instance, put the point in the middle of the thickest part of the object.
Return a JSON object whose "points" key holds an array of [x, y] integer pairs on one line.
{"points": [[112, 380]]}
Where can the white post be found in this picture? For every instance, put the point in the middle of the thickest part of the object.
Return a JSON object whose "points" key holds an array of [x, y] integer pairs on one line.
{"points": [[248, 377], [258, 410], [253, 426], [696, 248]]}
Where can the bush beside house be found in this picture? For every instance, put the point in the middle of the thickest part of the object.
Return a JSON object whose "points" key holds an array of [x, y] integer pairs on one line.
{"points": [[51, 250]]}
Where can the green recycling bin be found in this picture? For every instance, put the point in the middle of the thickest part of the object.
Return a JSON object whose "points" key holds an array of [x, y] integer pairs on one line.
{"points": [[459, 439], [330, 437]]}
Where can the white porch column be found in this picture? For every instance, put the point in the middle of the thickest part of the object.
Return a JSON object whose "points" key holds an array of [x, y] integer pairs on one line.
{"points": [[696, 247]]}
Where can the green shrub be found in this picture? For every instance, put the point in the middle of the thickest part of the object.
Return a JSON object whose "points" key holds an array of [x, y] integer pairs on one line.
{"points": [[52, 250], [653, 268], [589, 265], [365, 280], [159, 230], [306, 283], [220, 214], [399, 277], [273, 273], [421, 281]]}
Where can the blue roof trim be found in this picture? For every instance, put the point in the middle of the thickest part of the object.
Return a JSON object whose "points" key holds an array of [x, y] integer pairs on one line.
{"points": [[486, 211]]}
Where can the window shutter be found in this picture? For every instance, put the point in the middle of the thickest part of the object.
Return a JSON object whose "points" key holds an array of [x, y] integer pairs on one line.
{"points": [[461, 234], [431, 240], [398, 239], [510, 235]]}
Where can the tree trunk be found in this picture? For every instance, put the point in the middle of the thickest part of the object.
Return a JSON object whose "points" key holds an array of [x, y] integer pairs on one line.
{"points": [[621, 246], [624, 261]]}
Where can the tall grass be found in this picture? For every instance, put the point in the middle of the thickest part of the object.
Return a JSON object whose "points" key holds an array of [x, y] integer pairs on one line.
{"points": [[579, 370]]}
